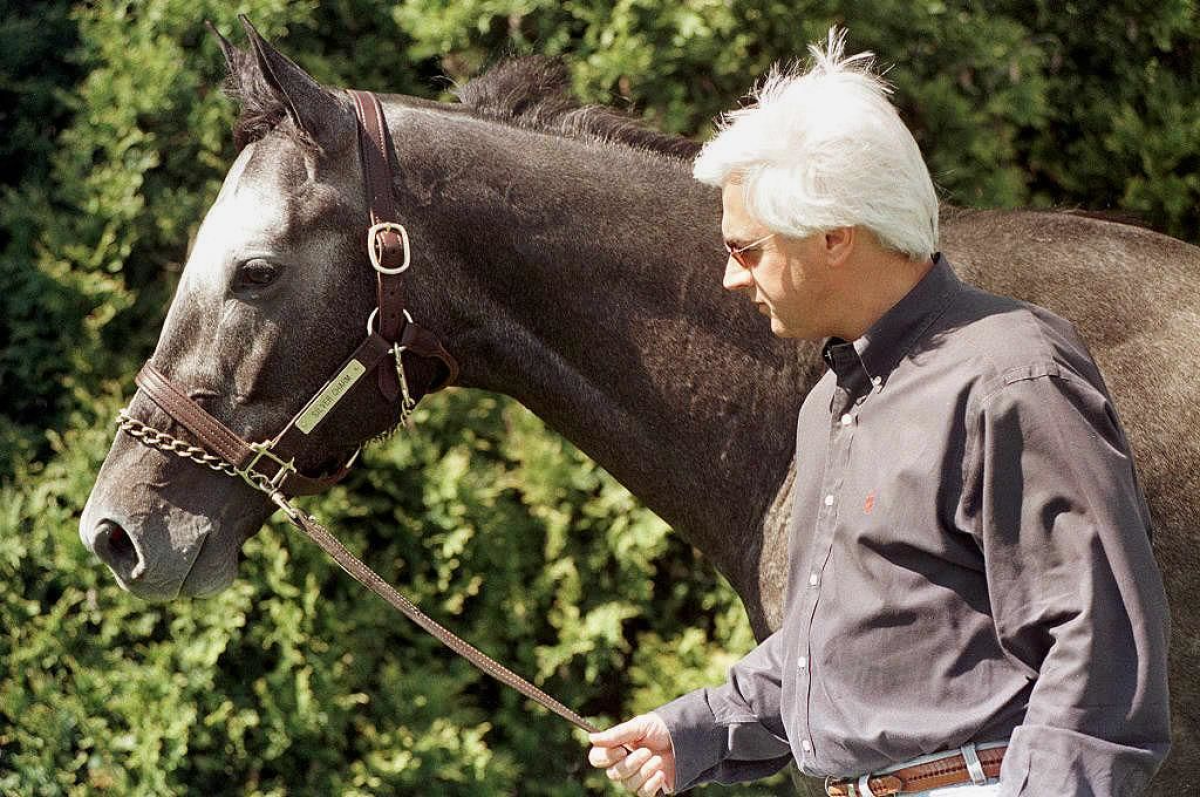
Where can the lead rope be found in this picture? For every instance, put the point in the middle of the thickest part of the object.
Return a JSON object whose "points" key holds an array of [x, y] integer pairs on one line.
{"points": [[154, 438], [369, 579]]}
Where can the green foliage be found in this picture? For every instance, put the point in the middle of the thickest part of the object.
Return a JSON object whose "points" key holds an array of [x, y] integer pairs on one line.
{"points": [[1083, 104], [33, 76], [294, 681]]}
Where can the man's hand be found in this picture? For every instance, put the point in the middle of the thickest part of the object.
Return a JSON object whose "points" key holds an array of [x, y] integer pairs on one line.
{"points": [[646, 771]]}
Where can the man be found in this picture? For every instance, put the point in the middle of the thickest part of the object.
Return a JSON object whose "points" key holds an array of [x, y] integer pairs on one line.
{"points": [[973, 607]]}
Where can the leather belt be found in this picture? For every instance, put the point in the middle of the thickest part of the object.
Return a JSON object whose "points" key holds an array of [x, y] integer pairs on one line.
{"points": [[950, 769]]}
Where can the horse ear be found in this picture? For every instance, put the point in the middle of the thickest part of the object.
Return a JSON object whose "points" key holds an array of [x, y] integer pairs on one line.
{"points": [[312, 109], [233, 56]]}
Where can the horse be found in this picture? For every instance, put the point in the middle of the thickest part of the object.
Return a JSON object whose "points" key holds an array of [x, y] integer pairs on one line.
{"points": [[566, 258]]}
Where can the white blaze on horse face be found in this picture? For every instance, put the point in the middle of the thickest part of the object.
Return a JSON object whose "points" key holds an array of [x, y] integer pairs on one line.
{"points": [[245, 221], [248, 220]]}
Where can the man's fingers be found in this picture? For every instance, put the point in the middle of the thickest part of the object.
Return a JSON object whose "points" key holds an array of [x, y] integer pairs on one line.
{"points": [[606, 756], [630, 765], [656, 784], [625, 733], [646, 771], [627, 752]]}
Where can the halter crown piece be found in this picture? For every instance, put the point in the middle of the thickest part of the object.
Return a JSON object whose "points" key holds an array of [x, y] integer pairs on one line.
{"points": [[270, 466]]}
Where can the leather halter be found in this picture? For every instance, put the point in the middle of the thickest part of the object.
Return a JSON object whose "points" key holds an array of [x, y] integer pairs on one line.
{"points": [[269, 466]]}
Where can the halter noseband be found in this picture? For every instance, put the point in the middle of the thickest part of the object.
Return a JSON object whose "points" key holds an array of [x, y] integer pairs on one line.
{"points": [[270, 466]]}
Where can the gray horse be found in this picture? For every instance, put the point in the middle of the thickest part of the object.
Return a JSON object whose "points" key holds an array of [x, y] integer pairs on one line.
{"points": [[567, 259]]}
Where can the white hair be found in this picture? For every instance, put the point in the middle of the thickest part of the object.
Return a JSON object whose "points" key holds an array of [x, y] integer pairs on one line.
{"points": [[825, 148]]}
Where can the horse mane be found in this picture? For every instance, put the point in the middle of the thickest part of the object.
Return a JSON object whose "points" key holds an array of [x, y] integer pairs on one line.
{"points": [[1129, 218], [532, 92]]}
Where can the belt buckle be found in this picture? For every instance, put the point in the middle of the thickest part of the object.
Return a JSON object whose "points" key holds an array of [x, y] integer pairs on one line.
{"points": [[830, 780]]}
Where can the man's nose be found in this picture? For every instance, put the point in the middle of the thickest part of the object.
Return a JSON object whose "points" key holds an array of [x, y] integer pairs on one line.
{"points": [[736, 278]]}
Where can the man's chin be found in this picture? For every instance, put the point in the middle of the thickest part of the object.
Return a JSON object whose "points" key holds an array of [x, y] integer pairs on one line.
{"points": [[780, 329], [790, 332]]}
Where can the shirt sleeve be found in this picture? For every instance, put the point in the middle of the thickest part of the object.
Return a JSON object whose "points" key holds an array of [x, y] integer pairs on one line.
{"points": [[1077, 597], [733, 732]]}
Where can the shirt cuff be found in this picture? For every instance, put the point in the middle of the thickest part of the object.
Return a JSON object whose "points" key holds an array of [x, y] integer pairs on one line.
{"points": [[1042, 760], [697, 738]]}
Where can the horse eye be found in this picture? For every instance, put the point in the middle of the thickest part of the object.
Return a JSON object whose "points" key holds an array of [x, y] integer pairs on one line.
{"points": [[257, 273]]}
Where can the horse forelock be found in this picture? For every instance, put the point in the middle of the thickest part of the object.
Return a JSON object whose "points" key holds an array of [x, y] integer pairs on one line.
{"points": [[533, 92]]}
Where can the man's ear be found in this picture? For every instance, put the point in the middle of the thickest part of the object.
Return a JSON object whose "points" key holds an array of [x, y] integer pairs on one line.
{"points": [[839, 243], [314, 111]]}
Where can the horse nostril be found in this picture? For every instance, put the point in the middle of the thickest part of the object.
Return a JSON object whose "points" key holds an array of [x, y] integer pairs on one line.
{"points": [[115, 549]]}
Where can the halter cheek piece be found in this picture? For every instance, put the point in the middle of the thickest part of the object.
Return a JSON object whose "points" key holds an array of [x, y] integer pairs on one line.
{"points": [[270, 466], [391, 333]]}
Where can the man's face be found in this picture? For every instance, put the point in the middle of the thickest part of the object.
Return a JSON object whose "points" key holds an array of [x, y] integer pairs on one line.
{"points": [[787, 278]]}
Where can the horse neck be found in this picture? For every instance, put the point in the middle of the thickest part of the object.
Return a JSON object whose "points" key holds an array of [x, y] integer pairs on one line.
{"points": [[590, 292]]}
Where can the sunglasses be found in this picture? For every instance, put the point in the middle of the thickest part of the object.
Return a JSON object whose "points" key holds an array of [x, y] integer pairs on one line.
{"points": [[739, 253]]}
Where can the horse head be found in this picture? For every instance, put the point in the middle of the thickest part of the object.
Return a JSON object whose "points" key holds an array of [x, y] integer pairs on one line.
{"points": [[563, 252], [278, 290]]}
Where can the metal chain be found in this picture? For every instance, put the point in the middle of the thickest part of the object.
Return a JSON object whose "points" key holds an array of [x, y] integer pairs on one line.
{"points": [[156, 438]]}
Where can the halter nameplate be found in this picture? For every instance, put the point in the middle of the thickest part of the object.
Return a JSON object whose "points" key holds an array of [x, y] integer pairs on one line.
{"points": [[329, 396]]}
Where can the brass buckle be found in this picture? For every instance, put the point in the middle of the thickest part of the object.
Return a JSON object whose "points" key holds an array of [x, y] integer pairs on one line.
{"points": [[373, 246], [258, 480]]}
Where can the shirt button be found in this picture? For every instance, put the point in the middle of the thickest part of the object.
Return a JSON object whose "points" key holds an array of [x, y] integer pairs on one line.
{"points": [[877, 381], [847, 419], [802, 662], [829, 500], [813, 578], [807, 745]]}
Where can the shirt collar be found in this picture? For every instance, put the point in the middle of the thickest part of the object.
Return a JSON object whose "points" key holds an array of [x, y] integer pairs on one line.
{"points": [[891, 337]]}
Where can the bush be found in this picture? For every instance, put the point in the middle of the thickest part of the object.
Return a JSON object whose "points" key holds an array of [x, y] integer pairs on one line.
{"points": [[295, 681]]}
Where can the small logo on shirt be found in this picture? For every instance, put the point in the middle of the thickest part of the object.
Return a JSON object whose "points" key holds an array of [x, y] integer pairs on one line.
{"points": [[869, 504]]}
